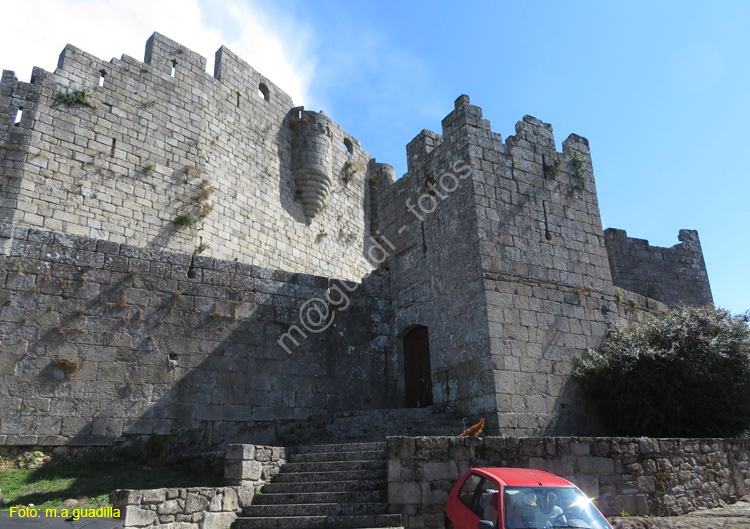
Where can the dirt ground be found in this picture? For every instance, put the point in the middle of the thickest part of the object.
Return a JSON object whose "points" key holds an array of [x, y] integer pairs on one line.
{"points": [[735, 516]]}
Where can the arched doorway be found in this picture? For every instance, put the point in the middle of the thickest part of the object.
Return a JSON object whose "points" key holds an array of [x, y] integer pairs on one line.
{"points": [[417, 372]]}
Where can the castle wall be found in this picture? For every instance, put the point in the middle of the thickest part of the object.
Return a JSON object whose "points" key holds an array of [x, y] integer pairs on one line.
{"points": [[546, 274], [102, 340], [675, 276], [162, 139], [433, 244]]}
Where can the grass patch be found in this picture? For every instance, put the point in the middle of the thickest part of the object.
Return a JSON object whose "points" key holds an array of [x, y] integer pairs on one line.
{"points": [[91, 477]]}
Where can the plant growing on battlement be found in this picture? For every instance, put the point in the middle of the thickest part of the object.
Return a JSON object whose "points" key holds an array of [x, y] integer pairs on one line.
{"points": [[148, 168], [185, 220], [550, 169], [66, 365], [202, 247], [75, 97], [682, 373], [578, 165], [321, 235]]}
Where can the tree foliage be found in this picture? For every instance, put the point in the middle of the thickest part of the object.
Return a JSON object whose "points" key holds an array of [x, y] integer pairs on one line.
{"points": [[684, 373]]}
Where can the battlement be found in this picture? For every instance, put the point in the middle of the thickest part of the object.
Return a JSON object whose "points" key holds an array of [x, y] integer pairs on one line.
{"points": [[160, 153], [675, 276]]}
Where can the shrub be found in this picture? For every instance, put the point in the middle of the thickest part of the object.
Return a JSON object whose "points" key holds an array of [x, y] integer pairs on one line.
{"points": [[684, 373]]}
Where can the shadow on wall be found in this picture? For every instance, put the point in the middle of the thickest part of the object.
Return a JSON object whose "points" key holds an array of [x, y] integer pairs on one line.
{"points": [[113, 340]]}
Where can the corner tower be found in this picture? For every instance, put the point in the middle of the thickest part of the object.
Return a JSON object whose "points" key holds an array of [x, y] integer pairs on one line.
{"points": [[505, 264]]}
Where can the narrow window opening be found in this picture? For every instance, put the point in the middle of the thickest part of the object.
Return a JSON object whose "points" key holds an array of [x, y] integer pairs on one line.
{"points": [[264, 92], [348, 145], [238, 100], [112, 151], [19, 116], [174, 67], [547, 234], [102, 75]]}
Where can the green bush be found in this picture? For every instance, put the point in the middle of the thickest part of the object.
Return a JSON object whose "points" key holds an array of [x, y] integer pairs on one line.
{"points": [[684, 373]]}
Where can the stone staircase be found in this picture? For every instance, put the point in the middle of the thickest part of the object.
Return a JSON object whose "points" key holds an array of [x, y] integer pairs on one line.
{"points": [[325, 486], [376, 425]]}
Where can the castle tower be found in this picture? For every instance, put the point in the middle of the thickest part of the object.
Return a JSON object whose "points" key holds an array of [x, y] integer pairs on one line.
{"points": [[311, 159]]}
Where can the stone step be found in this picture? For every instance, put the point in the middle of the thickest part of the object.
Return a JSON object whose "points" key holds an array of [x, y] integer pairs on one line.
{"points": [[320, 522], [324, 486], [350, 447], [286, 497], [338, 475], [332, 466], [316, 509], [317, 457], [363, 425]]}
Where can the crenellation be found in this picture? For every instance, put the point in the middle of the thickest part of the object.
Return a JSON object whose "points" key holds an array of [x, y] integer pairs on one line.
{"points": [[674, 276]]}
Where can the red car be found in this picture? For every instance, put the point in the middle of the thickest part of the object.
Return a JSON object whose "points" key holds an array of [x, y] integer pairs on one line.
{"points": [[518, 498]]}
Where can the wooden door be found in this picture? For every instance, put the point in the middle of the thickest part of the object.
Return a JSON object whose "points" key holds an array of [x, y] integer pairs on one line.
{"points": [[417, 372]]}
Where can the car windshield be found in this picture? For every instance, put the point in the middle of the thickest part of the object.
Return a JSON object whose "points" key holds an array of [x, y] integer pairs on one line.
{"points": [[543, 507]]}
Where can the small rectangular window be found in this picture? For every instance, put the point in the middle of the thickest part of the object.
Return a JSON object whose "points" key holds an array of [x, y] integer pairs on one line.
{"points": [[102, 75], [174, 67], [19, 116]]}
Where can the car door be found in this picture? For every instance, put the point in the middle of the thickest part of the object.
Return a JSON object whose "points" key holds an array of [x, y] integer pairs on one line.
{"points": [[473, 498]]}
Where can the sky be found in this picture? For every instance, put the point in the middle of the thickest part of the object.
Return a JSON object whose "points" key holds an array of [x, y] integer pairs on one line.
{"points": [[660, 89]]}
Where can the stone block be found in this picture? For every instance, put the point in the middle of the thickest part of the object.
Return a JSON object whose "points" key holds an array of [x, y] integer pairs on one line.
{"points": [[440, 470], [579, 448], [404, 493], [595, 465], [239, 470], [195, 503], [218, 520], [153, 496], [138, 517], [168, 507], [231, 500], [241, 451], [401, 447]]}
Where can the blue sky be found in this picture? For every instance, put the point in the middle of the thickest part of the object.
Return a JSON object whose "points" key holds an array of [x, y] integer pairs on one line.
{"points": [[662, 91]]}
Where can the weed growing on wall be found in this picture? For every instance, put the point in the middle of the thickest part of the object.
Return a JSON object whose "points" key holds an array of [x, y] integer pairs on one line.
{"points": [[75, 97]]}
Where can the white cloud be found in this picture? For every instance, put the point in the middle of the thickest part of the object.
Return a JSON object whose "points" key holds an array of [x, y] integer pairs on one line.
{"points": [[36, 31]]}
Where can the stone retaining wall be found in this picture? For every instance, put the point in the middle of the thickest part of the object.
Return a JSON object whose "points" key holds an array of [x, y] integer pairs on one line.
{"points": [[641, 476], [247, 468]]}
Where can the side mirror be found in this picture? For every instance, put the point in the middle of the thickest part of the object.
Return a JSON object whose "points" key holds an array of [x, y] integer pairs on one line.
{"points": [[485, 524]]}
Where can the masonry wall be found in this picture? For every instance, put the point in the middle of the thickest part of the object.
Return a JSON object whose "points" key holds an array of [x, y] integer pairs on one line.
{"points": [[432, 243], [103, 340], [545, 272], [153, 144], [675, 275], [656, 477], [514, 287]]}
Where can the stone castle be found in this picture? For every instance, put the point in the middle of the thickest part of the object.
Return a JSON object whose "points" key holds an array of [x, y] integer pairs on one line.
{"points": [[188, 252]]}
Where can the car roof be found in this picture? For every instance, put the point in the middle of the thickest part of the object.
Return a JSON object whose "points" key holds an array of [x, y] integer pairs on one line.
{"points": [[524, 477]]}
